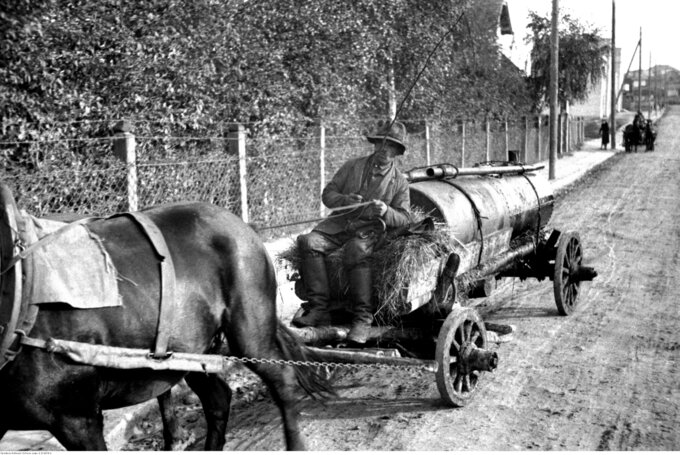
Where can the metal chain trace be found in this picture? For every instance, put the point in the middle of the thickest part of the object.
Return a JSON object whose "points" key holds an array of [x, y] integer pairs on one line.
{"points": [[311, 363]]}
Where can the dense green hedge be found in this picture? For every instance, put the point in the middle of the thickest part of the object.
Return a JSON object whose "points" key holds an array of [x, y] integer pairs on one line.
{"points": [[276, 66], [183, 72]]}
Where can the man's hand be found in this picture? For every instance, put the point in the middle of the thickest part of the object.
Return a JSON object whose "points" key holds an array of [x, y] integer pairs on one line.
{"points": [[355, 198], [377, 208]]}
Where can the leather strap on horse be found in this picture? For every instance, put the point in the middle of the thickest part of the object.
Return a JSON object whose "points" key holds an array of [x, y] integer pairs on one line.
{"points": [[29, 312], [167, 269]]}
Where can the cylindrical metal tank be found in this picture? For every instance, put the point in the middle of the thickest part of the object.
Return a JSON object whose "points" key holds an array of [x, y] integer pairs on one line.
{"points": [[484, 213]]}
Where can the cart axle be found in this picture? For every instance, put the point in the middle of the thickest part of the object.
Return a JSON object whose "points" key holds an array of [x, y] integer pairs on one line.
{"points": [[473, 358], [583, 273]]}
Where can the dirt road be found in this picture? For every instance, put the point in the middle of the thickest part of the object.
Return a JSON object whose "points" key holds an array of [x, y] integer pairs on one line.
{"points": [[604, 378]]}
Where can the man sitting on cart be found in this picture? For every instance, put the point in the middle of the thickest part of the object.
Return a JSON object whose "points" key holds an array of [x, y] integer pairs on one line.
{"points": [[380, 194]]}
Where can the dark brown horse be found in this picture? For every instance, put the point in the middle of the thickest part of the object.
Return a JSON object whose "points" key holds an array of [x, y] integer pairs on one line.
{"points": [[225, 285]]}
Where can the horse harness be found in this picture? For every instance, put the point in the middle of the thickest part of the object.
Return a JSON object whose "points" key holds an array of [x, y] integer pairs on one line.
{"points": [[168, 296], [24, 313]]}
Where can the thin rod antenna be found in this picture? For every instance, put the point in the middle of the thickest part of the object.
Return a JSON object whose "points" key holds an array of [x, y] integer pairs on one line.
{"points": [[422, 70]]}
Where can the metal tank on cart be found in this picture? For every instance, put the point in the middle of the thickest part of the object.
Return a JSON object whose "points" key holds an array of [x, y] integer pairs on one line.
{"points": [[495, 217]]}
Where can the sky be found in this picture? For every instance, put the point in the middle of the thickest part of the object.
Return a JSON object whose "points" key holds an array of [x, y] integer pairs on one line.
{"points": [[659, 20]]}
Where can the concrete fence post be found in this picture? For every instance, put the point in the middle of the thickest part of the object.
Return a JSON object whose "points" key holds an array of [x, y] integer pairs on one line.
{"points": [[583, 130], [124, 148], [525, 149], [560, 135], [428, 158], [322, 167], [462, 143], [577, 130], [488, 140], [236, 145], [567, 135], [506, 138], [540, 138]]}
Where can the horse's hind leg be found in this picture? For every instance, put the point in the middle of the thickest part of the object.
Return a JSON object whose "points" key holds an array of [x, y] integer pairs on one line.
{"points": [[215, 396]]}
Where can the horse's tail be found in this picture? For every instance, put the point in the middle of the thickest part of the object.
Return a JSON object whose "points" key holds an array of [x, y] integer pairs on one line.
{"points": [[309, 378]]}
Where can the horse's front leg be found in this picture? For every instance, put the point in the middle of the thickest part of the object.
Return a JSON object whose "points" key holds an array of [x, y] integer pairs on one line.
{"points": [[215, 396], [175, 437]]}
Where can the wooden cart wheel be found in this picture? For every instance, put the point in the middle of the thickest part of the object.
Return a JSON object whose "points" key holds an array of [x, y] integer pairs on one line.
{"points": [[568, 259], [462, 356]]}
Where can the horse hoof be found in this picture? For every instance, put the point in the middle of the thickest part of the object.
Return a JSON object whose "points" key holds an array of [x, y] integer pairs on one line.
{"points": [[183, 444]]}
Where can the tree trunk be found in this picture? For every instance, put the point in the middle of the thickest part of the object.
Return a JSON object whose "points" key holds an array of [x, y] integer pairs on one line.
{"points": [[391, 93]]}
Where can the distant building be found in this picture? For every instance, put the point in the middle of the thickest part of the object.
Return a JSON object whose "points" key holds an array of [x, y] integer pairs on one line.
{"points": [[490, 19], [658, 86], [598, 103]]}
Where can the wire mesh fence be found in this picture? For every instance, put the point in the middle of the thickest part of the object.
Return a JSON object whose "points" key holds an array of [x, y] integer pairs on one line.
{"points": [[273, 182], [66, 175]]}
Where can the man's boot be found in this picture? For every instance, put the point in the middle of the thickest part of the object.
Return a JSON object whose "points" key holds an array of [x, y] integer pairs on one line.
{"points": [[318, 294], [361, 292]]}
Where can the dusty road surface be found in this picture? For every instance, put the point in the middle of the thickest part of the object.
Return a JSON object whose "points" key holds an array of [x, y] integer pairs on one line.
{"points": [[604, 378]]}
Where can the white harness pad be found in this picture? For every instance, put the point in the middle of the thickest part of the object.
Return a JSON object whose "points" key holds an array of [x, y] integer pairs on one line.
{"points": [[74, 269]]}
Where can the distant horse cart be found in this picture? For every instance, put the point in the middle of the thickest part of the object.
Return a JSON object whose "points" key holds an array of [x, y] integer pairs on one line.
{"points": [[154, 292], [634, 136]]}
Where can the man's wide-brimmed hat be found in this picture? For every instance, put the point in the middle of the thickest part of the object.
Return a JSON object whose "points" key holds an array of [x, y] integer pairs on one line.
{"points": [[394, 132]]}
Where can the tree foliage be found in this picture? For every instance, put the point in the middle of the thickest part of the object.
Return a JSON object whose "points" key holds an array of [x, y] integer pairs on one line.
{"points": [[277, 65], [581, 63]]}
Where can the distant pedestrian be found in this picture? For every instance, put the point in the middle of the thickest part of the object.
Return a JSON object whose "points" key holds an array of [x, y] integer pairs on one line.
{"points": [[650, 136], [604, 134]]}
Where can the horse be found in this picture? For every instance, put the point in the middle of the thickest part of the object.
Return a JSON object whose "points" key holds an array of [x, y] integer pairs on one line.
{"points": [[650, 136], [632, 137], [225, 289]]}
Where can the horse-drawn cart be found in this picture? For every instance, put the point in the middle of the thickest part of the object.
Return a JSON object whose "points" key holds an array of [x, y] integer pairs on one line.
{"points": [[494, 218], [168, 282]]}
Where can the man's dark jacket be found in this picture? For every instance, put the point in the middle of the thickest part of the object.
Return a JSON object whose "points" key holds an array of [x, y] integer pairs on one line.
{"points": [[390, 186]]}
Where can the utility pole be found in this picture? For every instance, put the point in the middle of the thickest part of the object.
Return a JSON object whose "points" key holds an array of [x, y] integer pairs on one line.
{"points": [[656, 87], [649, 86], [639, 103], [554, 66], [614, 95]]}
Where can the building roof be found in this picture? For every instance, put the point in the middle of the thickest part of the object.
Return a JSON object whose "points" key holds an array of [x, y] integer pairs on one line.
{"points": [[488, 16], [657, 70]]}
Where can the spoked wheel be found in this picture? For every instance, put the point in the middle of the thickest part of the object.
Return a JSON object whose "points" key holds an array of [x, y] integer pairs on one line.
{"points": [[566, 280], [462, 356]]}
